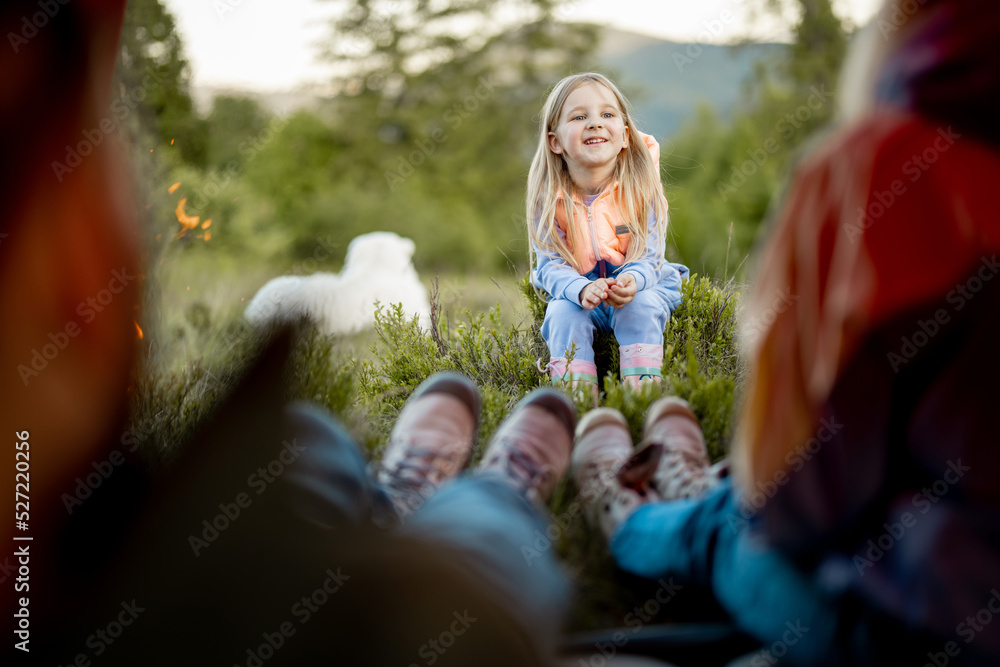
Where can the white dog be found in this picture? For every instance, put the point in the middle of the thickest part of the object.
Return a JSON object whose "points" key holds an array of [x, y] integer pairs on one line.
{"points": [[378, 267]]}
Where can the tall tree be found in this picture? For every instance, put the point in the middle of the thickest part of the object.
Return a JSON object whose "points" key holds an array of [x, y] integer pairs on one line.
{"points": [[727, 175], [439, 101], [153, 82]]}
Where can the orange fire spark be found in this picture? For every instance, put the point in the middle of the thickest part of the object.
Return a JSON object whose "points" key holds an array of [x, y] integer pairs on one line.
{"points": [[138, 329], [188, 222], [173, 188]]}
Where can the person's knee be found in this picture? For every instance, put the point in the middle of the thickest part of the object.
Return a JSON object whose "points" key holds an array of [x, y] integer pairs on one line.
{"points": [[646, 299], [564, 309], [313, 431], [645, 311], [564, 319]]}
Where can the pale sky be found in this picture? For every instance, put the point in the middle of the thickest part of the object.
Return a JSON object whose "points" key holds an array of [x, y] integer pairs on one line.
{"points": [[267, 45]]}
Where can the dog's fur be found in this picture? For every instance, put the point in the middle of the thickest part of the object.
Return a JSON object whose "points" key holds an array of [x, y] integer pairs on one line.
{"points": [[378, 267]]}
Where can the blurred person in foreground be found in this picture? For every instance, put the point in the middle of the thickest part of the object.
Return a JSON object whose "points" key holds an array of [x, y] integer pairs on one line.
{"points": [[862, 522]]}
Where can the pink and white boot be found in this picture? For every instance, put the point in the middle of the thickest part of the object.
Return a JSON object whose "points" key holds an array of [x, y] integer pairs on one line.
{"points": [[580, 378], [641, 364]]}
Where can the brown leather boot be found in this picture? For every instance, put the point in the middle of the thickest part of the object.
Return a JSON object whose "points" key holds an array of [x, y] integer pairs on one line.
{"points": [[683, 469], [613, 479], [431, 441], [531, 448]]}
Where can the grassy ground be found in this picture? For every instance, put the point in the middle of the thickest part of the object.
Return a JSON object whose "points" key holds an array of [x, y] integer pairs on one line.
{"points": [[192, 303], [197, 346]]}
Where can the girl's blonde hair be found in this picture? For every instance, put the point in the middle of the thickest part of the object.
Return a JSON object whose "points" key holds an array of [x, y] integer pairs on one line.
{"points": [[639, 181]]}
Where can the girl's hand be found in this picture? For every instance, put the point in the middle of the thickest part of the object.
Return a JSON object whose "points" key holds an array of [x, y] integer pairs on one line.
{"points": [[593, 294], [622, 291]]}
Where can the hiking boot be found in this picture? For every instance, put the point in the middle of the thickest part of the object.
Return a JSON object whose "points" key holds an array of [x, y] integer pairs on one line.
{"points": [[613, 479], [683, 469], [431, 441], [531, 448]]}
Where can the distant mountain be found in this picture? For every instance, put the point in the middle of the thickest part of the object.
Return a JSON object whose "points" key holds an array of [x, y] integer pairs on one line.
{"points": [[666, 80]]}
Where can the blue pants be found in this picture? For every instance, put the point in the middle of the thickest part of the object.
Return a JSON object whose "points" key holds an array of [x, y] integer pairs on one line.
{"points": [[640, 321], [706, 542], [494, 530]]}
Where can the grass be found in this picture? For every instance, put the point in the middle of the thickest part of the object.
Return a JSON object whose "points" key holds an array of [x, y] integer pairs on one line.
{"points": [[197, 347]]}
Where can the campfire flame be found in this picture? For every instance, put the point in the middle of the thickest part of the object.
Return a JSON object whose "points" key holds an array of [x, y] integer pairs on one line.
{"points": [[188, 222]]}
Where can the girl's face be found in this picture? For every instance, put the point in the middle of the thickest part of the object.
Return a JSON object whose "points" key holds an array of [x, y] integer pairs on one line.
{"points": [[590, 131]]}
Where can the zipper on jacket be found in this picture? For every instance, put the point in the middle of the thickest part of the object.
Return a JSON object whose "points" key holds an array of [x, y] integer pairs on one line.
{"points": [[593, 237]]}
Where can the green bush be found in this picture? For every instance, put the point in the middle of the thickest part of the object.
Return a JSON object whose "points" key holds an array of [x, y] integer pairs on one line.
{"points": [[700, 364]]}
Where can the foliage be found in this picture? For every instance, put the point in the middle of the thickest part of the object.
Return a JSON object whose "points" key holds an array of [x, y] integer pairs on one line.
{"points": [[722, 178], [701, 363], [436, 111], [367, 394], [153, 75], [169, 406], [500, 359], [232, 121], [430, 137]]}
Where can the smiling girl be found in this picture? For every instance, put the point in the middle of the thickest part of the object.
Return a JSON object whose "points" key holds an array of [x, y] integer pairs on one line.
{"points": [[596, 220]]}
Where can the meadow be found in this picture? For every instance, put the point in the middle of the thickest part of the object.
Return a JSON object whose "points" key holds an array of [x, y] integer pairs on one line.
{"points": [[230, 197]]}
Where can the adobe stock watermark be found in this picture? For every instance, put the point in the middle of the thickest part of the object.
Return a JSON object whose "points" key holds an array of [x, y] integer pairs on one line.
{"points": [[881, 200], [638, 617], [103, 638], [60, 339], [713, 28], [426, 147], [785, 129], [752, 500], [229, 512], [435, 647], [926, 329], [778, 649], [556, 528], [248, 149], [30, 25], [967, 629], [223, 7], [901, 13], [93, 137], [922, 501], [302, 610]]}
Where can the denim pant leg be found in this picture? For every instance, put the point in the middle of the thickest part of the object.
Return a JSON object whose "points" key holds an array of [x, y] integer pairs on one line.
{"points": [[705, 541], [499, 536], [329, 483], [567, 323], [642, 320]]}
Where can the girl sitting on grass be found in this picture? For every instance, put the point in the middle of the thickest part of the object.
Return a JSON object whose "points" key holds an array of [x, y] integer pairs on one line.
{"points": [[596, 219]]}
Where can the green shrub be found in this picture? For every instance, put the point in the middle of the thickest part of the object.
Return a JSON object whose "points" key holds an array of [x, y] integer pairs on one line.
{"points": [[701, 363], [500, 359]]}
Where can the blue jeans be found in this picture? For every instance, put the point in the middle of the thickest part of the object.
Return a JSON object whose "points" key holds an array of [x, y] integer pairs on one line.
{"points": [[704, 541], [640, 321], [492, 528]]}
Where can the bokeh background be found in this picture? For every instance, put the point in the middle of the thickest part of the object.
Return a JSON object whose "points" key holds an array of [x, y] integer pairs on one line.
{"points": [[289, 130]]}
